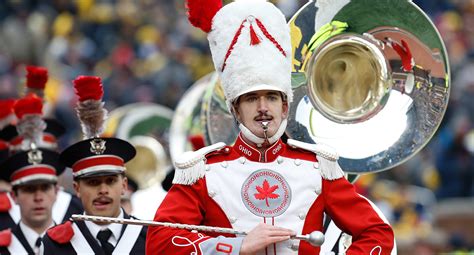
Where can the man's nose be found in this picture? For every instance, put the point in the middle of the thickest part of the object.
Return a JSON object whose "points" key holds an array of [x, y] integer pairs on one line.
{"points": [[103, 188], [262, 105], [39, 195]]}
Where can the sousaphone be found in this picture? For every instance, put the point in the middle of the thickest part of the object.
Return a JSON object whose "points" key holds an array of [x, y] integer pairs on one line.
{"points": [[370, 78], [146, 126], [376, 84]]}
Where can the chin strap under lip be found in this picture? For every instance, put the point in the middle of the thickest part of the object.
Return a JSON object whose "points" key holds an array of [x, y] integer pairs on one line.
{"points": [[258, 140]]}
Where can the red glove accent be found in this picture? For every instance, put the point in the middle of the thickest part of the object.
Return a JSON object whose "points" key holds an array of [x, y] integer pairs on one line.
{"points": [[5, 204], [61, 233], [5, 238]]}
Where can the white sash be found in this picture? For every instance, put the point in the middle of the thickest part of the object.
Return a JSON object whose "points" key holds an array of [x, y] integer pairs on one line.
{"points": [[14, 211], [128, 239], [330, 238], [61, 205], [79, 242], [16, 247]]}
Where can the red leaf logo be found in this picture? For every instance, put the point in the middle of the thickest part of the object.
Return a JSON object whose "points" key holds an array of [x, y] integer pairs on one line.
{"points": [[266, 192]]}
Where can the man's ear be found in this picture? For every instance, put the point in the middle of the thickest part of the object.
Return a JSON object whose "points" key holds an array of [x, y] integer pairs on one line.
{"points": [[235, 112], [76, 186], [56, 190], [13, 195], [285, 110], [124, 185]]}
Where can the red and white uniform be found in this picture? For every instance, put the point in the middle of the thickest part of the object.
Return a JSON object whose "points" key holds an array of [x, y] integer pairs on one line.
{"points": [[284, 187]]}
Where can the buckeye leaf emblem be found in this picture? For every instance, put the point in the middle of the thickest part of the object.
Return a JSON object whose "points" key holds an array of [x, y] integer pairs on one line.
{"points": [[266, 192]]}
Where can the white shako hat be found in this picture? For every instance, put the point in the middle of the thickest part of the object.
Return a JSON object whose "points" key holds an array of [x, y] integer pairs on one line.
{"points": [[250, 45]]}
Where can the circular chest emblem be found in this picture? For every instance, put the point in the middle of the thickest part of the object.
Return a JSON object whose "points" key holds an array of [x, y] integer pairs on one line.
{"points": [[266, 193]]}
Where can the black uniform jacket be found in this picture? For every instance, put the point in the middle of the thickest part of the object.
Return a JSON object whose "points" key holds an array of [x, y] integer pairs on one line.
{"points": [[10, 216], [75, 238], [20, 240]]}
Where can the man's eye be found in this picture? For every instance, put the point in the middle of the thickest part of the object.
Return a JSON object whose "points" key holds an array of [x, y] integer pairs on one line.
{"points": [[111, 180], [29, 190], [92, 182], [45, 187]]}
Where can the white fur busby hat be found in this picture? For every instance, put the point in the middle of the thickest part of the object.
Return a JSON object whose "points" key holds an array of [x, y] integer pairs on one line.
{"points": [[250, 45]]}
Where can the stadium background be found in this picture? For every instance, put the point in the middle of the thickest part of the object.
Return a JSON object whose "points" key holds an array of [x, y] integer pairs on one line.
{"points": [[145, 51]]}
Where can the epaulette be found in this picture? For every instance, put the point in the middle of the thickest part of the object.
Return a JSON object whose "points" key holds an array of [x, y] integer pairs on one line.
{"points": [[5, 237], [5, 203], [61, 233], [220, 152], [190, 166], [326, 156]]}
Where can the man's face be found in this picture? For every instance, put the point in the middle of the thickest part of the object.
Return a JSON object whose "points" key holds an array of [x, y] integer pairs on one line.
{"points": [[36, 203], [264, 105], [100, 195]]}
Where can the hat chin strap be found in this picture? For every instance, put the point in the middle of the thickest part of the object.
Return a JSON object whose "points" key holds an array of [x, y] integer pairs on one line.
{"points": [[258, 140]]}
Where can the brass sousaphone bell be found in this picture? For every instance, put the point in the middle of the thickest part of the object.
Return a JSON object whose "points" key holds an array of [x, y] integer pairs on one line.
{"points": [[371, 79], [146, 126]]}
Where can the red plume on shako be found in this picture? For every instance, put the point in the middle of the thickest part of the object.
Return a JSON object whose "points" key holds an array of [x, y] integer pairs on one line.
{"points": [[95, 155], [36, 79]]}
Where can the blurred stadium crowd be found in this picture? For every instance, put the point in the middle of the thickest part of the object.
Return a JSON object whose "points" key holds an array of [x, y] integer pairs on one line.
{"points": [[145, 51]]}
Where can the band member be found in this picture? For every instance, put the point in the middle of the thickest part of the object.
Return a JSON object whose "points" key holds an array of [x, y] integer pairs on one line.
{"points": [[33, 175], [261, 184], [99, 180], [66, 204], [6, 117]]}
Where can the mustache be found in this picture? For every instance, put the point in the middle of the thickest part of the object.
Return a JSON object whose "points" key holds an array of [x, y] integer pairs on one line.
{"points": [[263, 116], [103, 199]]}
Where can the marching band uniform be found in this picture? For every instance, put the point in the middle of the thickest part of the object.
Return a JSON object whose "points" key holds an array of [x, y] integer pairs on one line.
{"points": [[6, 202], [66, 203], [78, 238], [225, 197], [95, 157], [289, 185], [82, 237], [6, 115], [9, 211], [27, 171], [21, 239]]}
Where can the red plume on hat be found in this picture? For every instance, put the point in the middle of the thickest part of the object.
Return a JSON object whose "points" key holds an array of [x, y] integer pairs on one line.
{"points": [[88, 88], [31, 104], [90, 108], [6, 112], [36, 79], [201, 12], [29, 111]]}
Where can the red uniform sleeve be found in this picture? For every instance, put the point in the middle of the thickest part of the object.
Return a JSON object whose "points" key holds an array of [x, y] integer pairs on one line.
{"points": [[182, 204], [354, 215], [190, 204]]}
